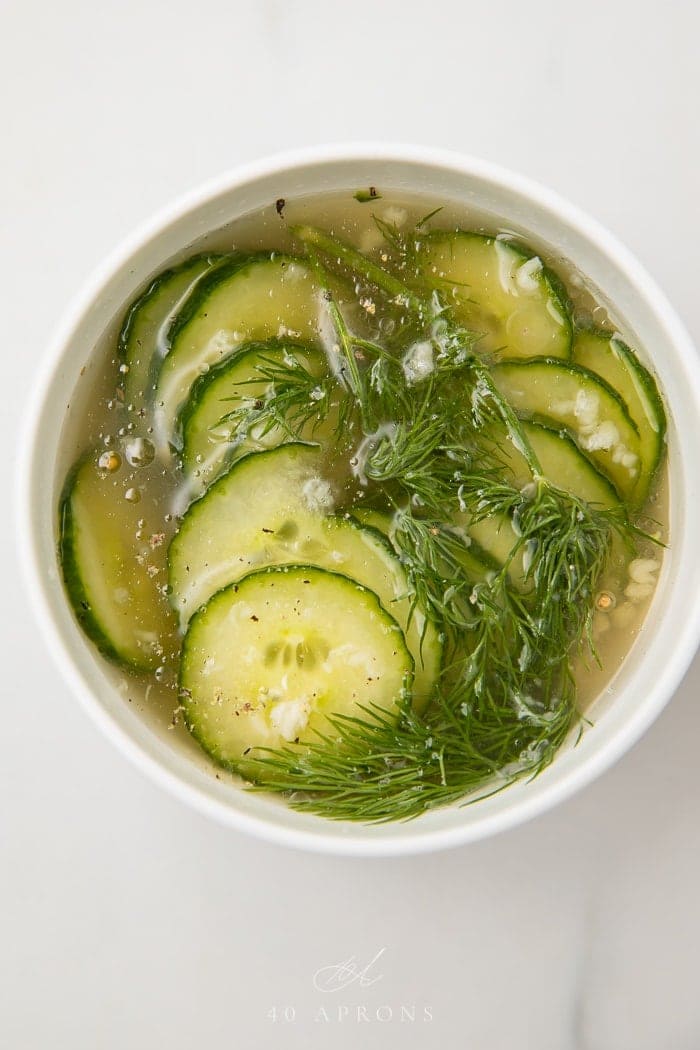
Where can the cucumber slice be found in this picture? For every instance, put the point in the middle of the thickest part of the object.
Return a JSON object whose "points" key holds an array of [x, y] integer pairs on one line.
{"points": [[565, 466], [259, 512], [145, 336], [268, 658], [245, 300], [116, 599], [562, 463], [273, 508], [566, 395], [619, 366], [207, 443], [500, 289], [375, 519]]}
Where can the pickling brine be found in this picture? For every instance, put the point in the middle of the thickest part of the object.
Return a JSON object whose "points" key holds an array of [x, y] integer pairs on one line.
{"points": [[369, 499]]}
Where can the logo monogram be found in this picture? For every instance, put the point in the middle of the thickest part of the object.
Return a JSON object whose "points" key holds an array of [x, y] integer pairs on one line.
{"points": [[341, 975]]}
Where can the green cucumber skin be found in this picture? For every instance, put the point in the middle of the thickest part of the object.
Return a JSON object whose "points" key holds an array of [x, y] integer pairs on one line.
{"points": [[432, 656], [191, 308], [577, 370], [200, 387], [574, 369], [554, 283], [221, 480], [154, 289], [584, 376], [563, 435], [196, 307], [648, 382], [73, 581], [643, 374], [556, 286], [239, 767], [651, 390]]}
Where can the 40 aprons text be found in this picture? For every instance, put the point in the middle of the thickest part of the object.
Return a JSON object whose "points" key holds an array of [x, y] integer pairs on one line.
{"points": [[356, 1013]]}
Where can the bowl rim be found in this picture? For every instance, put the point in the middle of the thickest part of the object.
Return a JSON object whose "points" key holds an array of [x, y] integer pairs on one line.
{"points": [[335, 839]]}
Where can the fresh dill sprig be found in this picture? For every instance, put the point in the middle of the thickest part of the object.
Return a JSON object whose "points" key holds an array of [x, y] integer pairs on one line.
{"points": [[426, 218], [376, 768], [415, 451], [349, 369], [317, 240], [436, 559], [413, 455], [296, 398], [506, 698], [391, 234], [454, 343]]}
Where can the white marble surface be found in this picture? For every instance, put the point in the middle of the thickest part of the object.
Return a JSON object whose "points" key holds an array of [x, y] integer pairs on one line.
{"points": [[128, 921]]}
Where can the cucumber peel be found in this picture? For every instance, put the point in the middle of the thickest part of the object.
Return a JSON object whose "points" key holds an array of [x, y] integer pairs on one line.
{"points": [[270, 658]]}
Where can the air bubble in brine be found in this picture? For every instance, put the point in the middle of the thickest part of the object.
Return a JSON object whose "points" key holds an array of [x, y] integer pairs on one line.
{"points": [[139, 452]]}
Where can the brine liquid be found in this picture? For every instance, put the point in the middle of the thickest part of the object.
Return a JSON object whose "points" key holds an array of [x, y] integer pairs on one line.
{"points": [[99, 417]]}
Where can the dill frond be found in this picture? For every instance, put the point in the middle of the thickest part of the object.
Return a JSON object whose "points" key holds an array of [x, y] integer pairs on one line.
{"points": [[506, 697], [296, 399]]}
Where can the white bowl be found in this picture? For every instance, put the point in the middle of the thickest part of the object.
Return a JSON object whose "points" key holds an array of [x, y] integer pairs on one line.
{"points": [[668, 640]]}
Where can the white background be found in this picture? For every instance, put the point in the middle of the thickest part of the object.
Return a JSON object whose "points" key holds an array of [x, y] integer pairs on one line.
{"points": [[125, 919]]}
